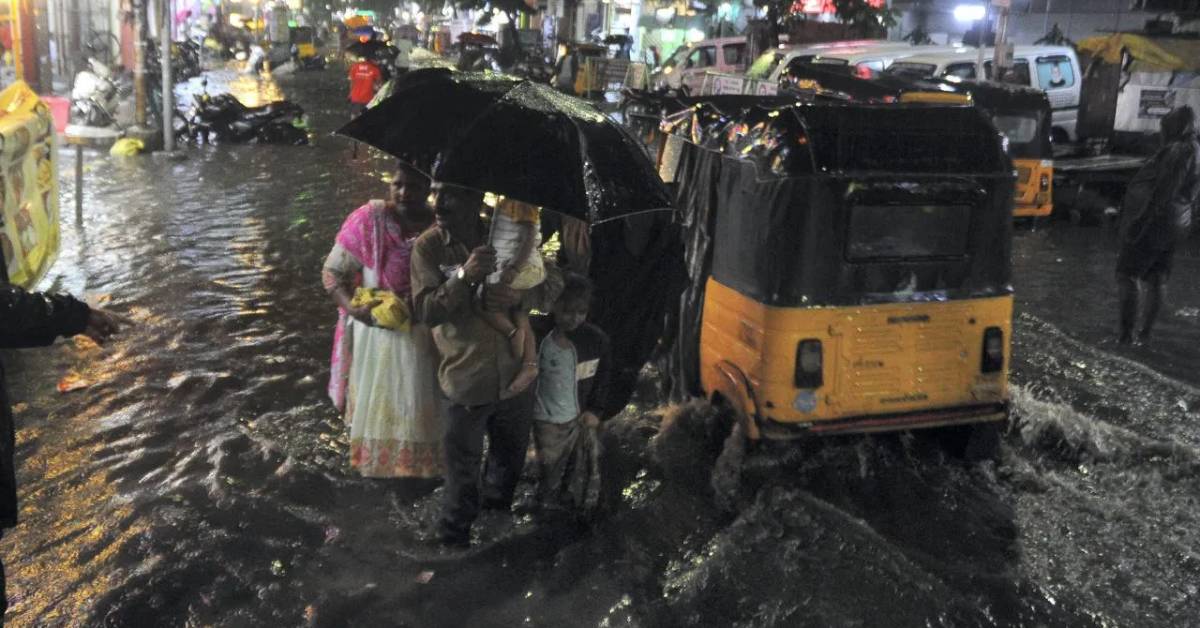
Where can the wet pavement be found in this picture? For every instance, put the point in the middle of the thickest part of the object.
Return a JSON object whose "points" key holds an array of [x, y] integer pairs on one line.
{"points": [[199, 475]]}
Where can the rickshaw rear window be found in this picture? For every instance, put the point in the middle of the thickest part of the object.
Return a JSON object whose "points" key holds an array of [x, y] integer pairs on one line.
{"points": [[820, 60], [912, 69], [1018, 129], [880, 232]]}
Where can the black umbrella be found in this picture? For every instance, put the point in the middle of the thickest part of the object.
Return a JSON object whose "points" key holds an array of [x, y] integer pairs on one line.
{"points": [[516, 138], [371, 49]]}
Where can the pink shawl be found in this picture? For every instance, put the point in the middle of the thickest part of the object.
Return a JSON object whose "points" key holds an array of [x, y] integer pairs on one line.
{"points": [[377, 240]]}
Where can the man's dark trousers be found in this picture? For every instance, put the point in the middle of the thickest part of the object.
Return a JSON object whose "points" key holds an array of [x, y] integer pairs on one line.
{"points": [[506, 424]]}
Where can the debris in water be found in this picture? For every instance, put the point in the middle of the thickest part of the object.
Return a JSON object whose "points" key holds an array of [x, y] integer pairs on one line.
{"points": [[18, 408], [333, 532], [72, 381], [97, 300], [277, 567], [424, 577]]}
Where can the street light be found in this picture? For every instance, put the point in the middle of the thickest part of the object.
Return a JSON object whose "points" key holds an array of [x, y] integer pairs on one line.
{"points": [[969, 12]]}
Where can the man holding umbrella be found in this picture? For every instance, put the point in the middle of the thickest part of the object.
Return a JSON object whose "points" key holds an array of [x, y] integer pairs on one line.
{"points": [[527, 142], [449, 262]]}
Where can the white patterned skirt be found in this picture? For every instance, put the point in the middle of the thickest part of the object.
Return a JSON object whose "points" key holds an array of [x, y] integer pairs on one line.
{"points": [[393, 405]]}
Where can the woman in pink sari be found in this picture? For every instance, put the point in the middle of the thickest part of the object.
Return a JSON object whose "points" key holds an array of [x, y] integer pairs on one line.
{"points": [[384, 380]]}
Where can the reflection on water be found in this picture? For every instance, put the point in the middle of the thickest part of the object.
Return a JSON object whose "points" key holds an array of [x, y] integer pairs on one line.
{"points": [[200, 477]]}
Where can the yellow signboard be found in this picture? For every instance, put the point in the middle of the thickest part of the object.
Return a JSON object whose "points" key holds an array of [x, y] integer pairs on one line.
{"points": [[28, 185]]}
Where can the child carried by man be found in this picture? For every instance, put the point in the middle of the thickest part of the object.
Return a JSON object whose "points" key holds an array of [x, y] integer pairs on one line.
{"points": [[515, 236]]}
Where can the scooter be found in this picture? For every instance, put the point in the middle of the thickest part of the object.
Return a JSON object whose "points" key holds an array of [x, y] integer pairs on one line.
{"points": [[94, 96], [223, 118]]}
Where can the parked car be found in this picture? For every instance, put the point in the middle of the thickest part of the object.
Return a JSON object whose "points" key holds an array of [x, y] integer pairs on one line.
{"points": [[869, 55], [1052, 69], [685, 68]]}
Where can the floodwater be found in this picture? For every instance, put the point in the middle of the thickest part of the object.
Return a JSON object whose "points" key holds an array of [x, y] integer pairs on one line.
{"points": [[199, 476]]}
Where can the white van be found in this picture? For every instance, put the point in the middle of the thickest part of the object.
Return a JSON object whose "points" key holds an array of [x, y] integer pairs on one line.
{"points": [[686, 67], [1052, 69], [869, 55]]}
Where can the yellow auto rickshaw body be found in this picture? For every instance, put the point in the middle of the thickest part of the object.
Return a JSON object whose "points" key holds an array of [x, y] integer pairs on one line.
{"points": [[885, 367], [305, 39], [859, 263], [1035, 188]]}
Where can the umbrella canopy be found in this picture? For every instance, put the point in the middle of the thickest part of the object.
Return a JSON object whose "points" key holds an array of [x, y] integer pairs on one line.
{"points": [[477, 39], [516, 138], [371, 49]]}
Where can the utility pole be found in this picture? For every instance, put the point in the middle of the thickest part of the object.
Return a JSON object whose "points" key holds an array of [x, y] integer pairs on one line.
{"points": [[24, 43], [18, 38], [1002, 51], [74, 48], [983, 29], [139, 64], [168, 83]]}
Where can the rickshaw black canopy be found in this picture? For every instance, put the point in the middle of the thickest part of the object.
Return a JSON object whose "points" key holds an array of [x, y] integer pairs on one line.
{"points": [[819, 204], [1003, 99]]}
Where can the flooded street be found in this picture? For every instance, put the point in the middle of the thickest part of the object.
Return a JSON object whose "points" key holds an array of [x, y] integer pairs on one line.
{"points": [[199, 477]]}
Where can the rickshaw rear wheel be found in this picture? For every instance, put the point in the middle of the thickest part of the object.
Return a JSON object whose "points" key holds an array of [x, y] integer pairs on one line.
{"points": [[727, 482], [984, 442], [976, 442], [688, 444]]}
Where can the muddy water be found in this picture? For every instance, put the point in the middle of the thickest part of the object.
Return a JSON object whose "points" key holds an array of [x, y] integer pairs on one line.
{"points": [[200, 479]]}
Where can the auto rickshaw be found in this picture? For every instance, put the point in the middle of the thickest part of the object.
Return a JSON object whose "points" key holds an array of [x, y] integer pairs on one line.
{"points": [[849, 266], [573, 72], [307, 50], [1021, 114]]}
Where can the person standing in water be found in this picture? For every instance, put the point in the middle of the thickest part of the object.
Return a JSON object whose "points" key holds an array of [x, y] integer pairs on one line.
{"points": [[1156, 214], [383, 366], [450, 262]]}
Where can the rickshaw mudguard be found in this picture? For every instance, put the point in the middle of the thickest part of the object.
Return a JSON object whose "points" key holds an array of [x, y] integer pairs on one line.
{"points": [[734, 387]]}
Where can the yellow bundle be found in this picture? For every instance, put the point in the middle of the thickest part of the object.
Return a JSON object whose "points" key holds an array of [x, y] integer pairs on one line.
{"points": [[127, 147], [391, 313]]}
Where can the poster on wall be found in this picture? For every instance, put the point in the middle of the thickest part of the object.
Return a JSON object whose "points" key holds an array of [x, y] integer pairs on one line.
{"points": [[1155, 103], [28, 186]]}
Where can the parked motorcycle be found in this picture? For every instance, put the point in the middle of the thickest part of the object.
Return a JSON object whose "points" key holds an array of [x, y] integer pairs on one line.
{"points": [[535, 69], [223, 118], [641, 111], [94, 95]]}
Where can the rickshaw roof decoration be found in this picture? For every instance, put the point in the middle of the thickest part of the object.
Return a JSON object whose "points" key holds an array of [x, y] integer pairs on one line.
{"points": [[843, 83], [821, 138]]}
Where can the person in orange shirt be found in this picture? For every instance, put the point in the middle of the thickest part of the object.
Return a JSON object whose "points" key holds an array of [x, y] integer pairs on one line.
{"points": [[365, 78]]}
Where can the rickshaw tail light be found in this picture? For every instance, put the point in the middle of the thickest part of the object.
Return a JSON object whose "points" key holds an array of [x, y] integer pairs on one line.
{"points": [[993, 350], [809, 370], [1045, 182]]}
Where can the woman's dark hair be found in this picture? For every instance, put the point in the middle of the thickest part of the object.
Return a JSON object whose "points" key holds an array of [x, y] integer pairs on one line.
{"points": [[409, 169], [575, 287]]}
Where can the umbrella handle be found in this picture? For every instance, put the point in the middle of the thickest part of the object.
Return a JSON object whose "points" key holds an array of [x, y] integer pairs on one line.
{"points": [[492, 223]]}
